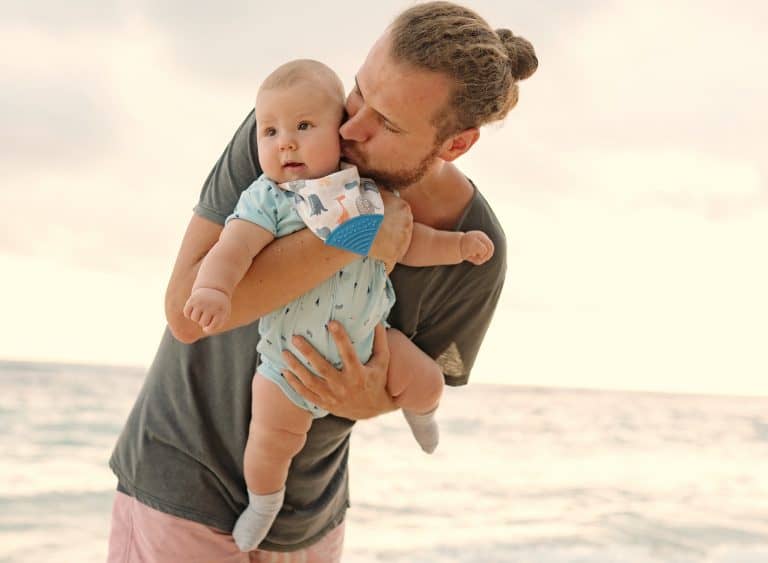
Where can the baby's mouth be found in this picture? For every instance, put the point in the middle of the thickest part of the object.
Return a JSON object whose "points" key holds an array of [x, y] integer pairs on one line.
{"points": [[292, 164]]}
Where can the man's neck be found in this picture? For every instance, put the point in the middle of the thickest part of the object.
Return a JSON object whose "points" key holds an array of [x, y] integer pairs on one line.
{"points": [[440, 197]]}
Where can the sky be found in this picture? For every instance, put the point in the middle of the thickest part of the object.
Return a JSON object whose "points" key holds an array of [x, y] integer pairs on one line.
{"points": [[631, 179]]}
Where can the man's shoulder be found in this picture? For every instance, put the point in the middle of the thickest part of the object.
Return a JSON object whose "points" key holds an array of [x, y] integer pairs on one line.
{"points": [[479, 211], [236, 168], [479, 215]]}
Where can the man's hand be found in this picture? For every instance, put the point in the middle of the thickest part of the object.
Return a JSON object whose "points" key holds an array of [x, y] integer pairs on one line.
{"points": [[357, 391], [208, 307], [394, 236]]}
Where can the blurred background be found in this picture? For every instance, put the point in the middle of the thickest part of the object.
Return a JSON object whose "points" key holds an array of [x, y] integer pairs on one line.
{"points": [[630, 181]]}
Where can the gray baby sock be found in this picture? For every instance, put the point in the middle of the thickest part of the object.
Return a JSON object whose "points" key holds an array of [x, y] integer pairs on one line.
{"points": [[424, 428], [254, 523]]}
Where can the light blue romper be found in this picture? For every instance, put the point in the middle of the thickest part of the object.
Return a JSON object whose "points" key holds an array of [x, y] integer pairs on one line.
{"points": [[359, 296]]}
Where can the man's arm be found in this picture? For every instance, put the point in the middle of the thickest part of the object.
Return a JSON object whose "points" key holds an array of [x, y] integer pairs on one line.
{"points": [[282, 271], [454, 320]]}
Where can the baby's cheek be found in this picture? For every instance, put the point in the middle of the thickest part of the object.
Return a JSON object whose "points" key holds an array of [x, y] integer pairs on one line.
{"points": [[270, 165]]}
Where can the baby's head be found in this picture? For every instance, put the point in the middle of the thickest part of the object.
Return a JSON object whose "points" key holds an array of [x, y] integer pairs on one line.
{"points": [[299, 109]]}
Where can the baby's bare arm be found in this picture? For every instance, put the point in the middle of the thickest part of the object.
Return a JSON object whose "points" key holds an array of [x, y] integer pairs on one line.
{"points": [[229, 259], [221, 270], [433, 247]]}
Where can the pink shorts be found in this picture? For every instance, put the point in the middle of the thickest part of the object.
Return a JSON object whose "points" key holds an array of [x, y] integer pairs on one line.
{"points": [[141, 534]]}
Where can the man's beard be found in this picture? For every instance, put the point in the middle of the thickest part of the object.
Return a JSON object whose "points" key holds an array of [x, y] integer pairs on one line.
{"points": [[391, 179]]}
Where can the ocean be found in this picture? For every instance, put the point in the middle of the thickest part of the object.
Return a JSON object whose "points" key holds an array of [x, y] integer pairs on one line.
{"points": [[521, 474]]}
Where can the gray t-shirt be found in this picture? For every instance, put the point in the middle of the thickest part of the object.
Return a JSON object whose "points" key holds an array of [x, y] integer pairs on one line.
{"points": [[181, 450]]}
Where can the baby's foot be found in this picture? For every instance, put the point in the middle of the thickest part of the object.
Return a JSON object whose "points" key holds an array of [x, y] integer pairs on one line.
{"points": [[424, 428], [254, 523]]}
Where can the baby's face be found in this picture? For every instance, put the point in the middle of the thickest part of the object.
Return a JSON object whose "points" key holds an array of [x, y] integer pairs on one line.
{"points": [[298, 132]]}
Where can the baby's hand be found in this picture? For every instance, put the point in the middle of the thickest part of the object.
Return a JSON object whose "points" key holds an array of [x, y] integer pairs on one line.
{"points": [[208, 307], [476, 247]]}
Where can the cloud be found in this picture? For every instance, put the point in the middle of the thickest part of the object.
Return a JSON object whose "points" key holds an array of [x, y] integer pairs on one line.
{"points": [[56, 102], [54, 119], [648, 104], [538, 175], [241, 41], [677, 175], [671, 74], [64, 17], [139, 100]]}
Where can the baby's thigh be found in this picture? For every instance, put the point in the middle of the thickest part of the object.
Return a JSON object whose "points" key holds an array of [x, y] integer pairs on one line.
{"points": [[413, 378], [405, 361], [271, 408]]}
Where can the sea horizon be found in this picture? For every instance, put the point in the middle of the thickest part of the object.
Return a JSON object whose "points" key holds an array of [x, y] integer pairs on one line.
{"points": [[53, 364]]}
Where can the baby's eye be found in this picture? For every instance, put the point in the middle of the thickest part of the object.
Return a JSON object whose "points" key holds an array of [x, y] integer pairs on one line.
{"points": [[304, 125], [270, 132]]}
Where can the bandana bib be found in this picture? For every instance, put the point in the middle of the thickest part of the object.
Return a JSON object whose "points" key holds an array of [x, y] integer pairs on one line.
{"points": [[342, 209]]}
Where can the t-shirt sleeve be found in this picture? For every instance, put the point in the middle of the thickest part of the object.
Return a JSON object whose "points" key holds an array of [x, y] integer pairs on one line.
{"points": [[235, 170], [259, 205], [453, 332]]}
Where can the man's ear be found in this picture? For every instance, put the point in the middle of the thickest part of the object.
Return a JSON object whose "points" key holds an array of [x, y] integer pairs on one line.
{"points": [[456, 145]]}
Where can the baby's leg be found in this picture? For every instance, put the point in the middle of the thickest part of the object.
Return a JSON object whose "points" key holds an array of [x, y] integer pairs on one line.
{"points": [[416, 384], [277, 432]]}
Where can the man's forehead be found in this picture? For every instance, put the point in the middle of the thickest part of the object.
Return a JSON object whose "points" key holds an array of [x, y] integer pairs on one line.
{"points": [[403, 93]]}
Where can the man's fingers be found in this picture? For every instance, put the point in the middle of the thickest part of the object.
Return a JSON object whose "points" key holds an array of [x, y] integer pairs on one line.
{"points": [[309, 385], [394, 235], [344, 345], [315, 358], [300, 388]]}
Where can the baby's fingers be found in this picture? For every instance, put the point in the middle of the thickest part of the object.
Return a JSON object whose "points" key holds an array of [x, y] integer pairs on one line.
{"points": [[476, 259], [489, 248], [482, 255], [188, 308], [194, 313], [206, 321]]}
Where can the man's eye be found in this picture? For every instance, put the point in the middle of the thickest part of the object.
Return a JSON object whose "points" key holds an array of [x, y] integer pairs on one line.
{"points": [[304, 125]]}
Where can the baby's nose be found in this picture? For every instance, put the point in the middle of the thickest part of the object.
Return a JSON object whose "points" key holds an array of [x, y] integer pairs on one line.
{"points": [[287, 144]]}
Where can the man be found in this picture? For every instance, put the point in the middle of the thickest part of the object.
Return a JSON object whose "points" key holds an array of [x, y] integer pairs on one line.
{"points": [[436, 75]]}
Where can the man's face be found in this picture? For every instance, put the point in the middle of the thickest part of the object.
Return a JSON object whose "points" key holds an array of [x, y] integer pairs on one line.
{"points": [[389, 135], [298, 132]]}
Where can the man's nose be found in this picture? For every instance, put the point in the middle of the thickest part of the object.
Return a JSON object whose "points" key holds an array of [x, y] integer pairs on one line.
{"points": [[359, 126]]}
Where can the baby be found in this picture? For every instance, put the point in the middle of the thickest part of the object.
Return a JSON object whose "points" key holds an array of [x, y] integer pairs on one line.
{"points": [[299, 109]]}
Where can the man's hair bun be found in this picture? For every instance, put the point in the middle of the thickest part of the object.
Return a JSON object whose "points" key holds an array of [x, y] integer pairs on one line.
{"points": [[522, 57]]}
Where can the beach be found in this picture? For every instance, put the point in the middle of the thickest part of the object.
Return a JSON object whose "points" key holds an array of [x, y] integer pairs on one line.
{"points": [[522, 474]]}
